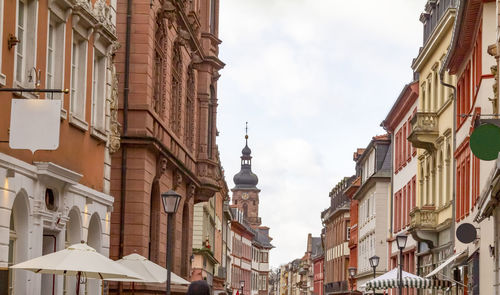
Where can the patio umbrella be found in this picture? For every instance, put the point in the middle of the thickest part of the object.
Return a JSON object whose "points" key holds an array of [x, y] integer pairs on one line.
{"points": [[78, 260], [390, 280], [149, 271]]}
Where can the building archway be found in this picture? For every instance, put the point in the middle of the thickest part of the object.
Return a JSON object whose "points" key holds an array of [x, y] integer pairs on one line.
{"points": [[18, 243], [73, 235], [94, 240]]}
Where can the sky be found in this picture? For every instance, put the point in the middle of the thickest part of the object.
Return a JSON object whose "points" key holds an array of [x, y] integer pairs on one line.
{"points": [[314, 79]]}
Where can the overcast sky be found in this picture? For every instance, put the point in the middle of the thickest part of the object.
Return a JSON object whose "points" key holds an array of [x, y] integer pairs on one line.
{"points": [[314, 79]]}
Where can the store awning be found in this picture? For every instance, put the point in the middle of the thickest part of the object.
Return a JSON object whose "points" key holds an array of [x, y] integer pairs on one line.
{"points": [[390, 280], [444, 264], [408, 283]]}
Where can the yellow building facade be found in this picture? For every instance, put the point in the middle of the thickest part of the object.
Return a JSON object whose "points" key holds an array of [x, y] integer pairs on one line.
{"points": [[432, 134]]}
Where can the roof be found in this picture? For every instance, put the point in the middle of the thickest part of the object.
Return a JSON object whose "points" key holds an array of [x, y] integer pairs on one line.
{"points": [[386, 168], [401, 107], [464, 33]]}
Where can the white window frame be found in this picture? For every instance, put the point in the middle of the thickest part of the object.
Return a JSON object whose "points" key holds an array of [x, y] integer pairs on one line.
{"points": [[28, 40], [58, 51], [3, 78], [78, 89], [99, 79]]}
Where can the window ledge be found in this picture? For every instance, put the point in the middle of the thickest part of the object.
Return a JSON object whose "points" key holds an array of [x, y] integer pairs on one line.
{"points": [[99, 134], [64, 114], [27, 95], [78, 123]]}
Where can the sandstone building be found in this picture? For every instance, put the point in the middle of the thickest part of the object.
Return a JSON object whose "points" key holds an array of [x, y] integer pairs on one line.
{"points": [[168, 68]]}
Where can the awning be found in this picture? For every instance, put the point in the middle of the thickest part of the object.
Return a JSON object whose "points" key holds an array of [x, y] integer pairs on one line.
{"points": [[408, 283], [390, 280], [444, 264]]}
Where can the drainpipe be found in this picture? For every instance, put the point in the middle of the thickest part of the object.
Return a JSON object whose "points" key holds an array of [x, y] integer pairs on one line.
{"points": [[125, 129], [452, 227]]}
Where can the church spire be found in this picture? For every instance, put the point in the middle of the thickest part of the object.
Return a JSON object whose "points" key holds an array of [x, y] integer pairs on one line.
{"points": [[246, 179]]}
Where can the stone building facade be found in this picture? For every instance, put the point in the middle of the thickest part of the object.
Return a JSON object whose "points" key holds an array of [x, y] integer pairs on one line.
{"points": [[404, 177], [336, 220], [432, 135], [168, 70], [373, 167], [474, 66], [55, 198]]}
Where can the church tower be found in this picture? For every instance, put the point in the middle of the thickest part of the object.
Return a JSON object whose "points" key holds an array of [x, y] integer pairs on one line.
{"points": [[245, 191]]}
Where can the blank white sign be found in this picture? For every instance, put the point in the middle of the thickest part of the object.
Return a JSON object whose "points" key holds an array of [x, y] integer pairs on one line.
{"points": [[34, 124]]}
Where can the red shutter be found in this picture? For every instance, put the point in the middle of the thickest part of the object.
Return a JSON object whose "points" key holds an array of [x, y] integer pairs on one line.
{"points": [[403, 141]]}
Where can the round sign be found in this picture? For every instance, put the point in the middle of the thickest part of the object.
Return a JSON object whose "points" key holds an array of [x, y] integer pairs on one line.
{"points": [[466, 233], [485, 142]]}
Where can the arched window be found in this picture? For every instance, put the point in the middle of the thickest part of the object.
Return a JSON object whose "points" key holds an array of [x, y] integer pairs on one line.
{"points": [[159, 67], [175, 102], [189, 109]]}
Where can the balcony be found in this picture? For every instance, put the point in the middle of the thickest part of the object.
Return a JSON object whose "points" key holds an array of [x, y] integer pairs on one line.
{"points": [[424, 131], [423, 225], [207, 173]]}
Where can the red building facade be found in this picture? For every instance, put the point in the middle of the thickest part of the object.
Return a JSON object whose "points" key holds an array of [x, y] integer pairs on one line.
{"points": [[337, 222], [318, 265], [168, 71]]}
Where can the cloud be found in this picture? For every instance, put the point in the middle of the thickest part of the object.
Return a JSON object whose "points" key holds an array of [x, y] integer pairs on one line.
{"points": [[314, 78]]}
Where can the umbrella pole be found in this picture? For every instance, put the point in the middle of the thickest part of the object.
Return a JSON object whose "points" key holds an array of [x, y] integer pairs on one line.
{"points": [[133, 287], [78, 283]]}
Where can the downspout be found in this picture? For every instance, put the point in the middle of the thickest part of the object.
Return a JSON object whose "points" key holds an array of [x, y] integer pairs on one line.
{"points": [[453, 189], [126, 89]]}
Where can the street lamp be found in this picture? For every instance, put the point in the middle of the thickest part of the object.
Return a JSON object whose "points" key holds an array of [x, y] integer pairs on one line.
{"points": [[171, 201], [401, 242], [352, 273], [374, 260], [242, 285]]}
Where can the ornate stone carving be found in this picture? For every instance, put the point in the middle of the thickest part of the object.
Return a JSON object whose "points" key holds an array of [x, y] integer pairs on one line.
{"points": [[114, 126], [102, 13], [177, 181], [191, 191], [161, 167]]}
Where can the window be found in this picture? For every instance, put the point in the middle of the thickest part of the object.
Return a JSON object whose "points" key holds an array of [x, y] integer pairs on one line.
{"points": [[78, 79], [463, 181], [212, 16], [404, 145], [99, 92], [189, 117], [55, 54], [26, 48], [175, 103], [158, 102]]}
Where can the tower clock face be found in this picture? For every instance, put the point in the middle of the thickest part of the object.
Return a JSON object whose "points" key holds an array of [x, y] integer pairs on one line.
{"points": [[244, 196]]}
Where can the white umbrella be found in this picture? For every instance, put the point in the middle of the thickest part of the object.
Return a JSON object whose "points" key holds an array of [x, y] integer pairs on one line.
{"points": [[148, 270], [78, 260]]}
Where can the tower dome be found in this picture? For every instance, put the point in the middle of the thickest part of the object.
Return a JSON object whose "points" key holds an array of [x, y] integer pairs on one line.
{"points": [[246, 179]]}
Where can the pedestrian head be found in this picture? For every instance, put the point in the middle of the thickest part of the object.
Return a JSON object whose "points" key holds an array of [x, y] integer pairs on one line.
{"points": [[198, 288]]}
